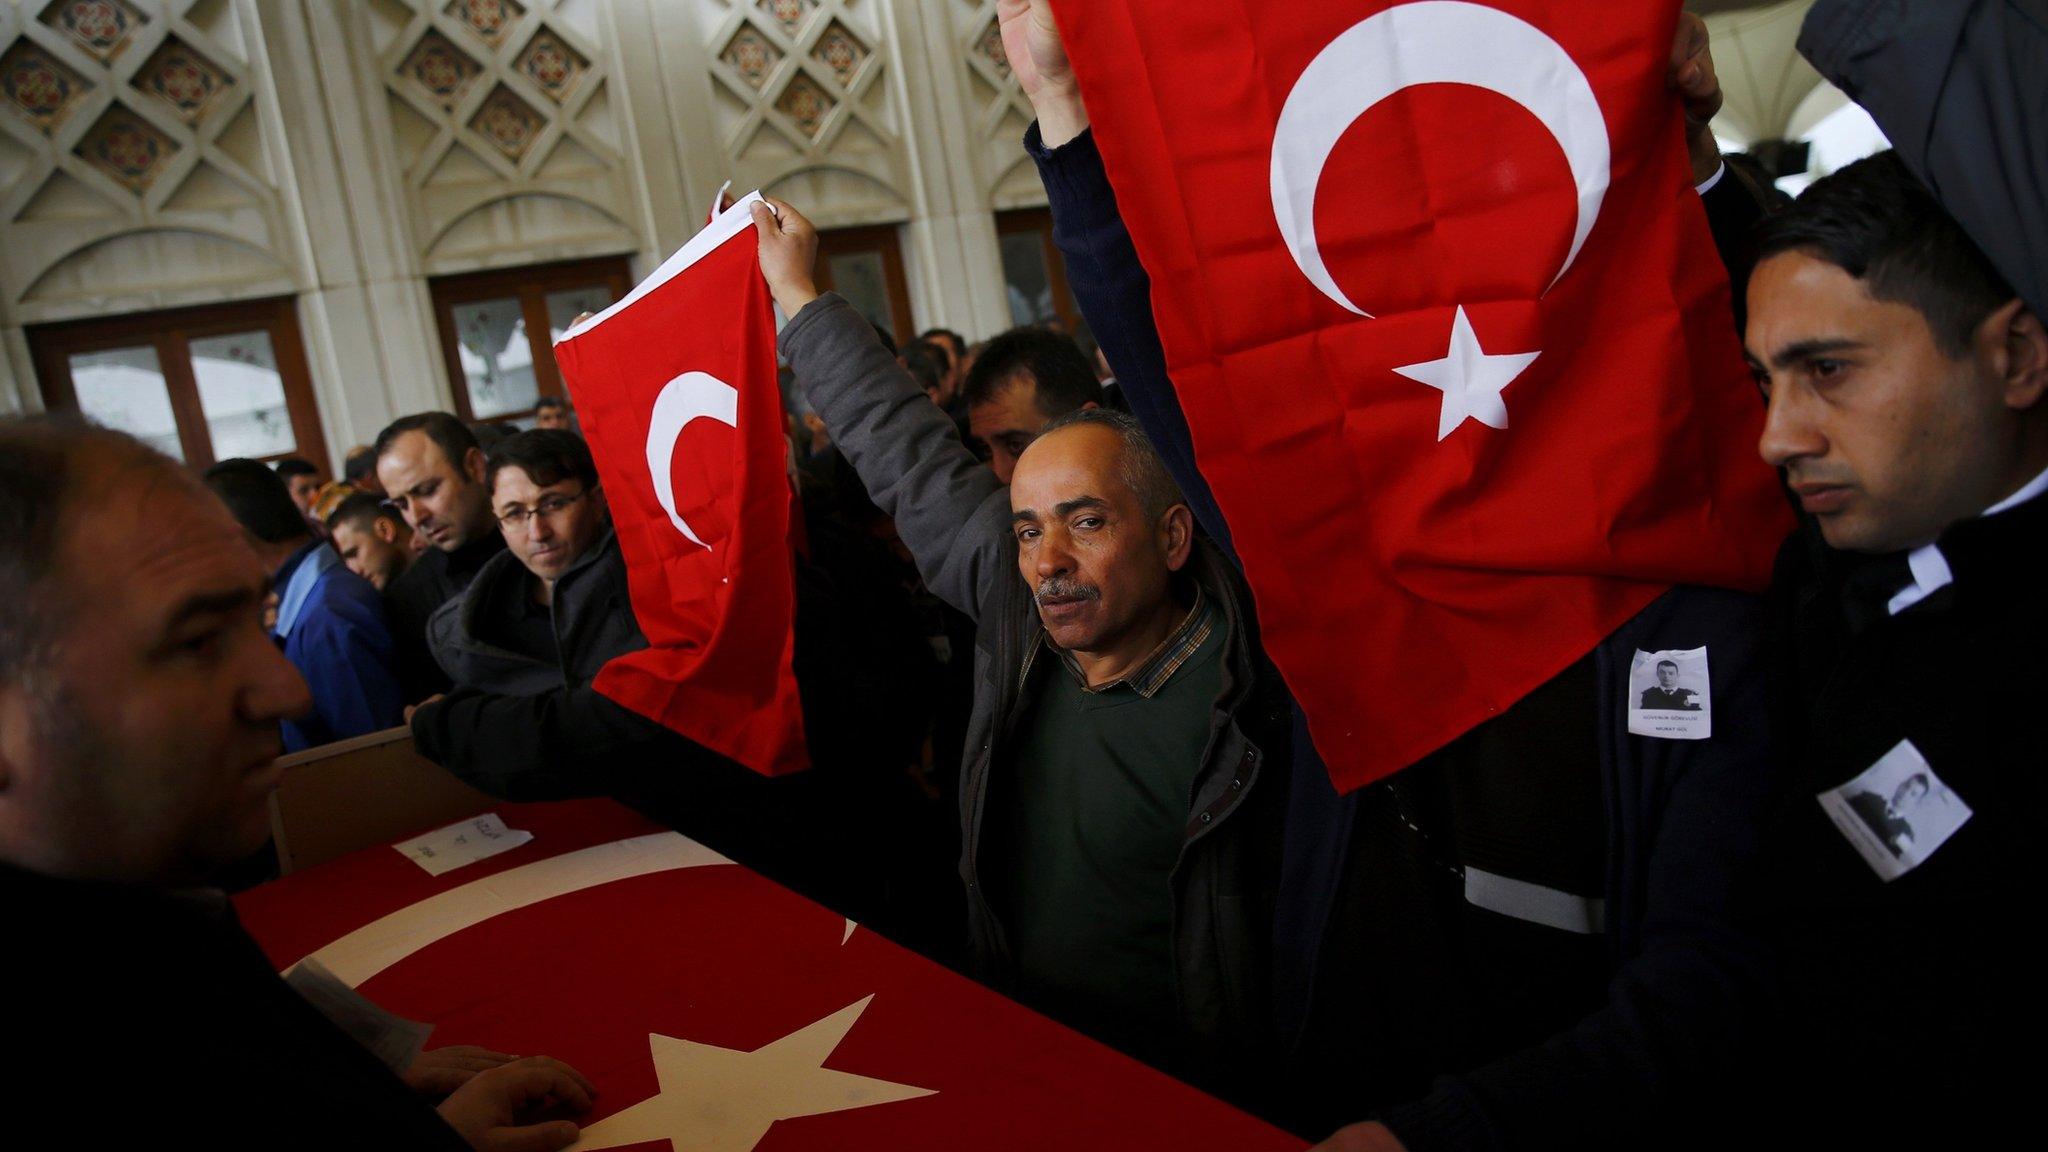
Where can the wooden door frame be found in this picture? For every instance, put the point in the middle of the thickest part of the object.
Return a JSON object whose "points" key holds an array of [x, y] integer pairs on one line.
{"points": [[887, 240], [170, 333], [1017, 221], [529, 285]]}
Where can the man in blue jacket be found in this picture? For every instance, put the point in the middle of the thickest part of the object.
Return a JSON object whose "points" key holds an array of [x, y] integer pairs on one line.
{"points": [[330, 621]]}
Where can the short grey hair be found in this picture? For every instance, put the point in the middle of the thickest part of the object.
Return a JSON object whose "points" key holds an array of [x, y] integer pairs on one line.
{"points": [[45, 463], [1139, 466]]}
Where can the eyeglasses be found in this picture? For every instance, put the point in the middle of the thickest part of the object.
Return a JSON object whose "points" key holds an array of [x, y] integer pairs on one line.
{"points": [[517, 518]]}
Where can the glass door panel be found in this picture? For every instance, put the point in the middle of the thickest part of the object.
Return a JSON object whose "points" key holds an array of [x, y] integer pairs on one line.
{"points": [[564, 307], [125, 389], [497, 358], [860, 277], [241, 392], [1025, 279]]}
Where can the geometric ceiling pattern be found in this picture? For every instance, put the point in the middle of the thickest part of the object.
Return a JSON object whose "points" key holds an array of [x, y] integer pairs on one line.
{"points": [[121, 116], [494, 100], [1001, 112], [801, 87]]}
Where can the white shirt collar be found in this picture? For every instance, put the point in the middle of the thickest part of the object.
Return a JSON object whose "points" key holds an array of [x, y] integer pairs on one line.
{"points": [[1930, 569], [2033, 488]]}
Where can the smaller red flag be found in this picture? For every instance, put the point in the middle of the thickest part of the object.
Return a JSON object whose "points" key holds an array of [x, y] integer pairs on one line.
{"points": [[676, 389]]}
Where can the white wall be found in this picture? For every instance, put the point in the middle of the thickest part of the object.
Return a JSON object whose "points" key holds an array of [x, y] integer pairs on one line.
{"points": [[321, 166]]}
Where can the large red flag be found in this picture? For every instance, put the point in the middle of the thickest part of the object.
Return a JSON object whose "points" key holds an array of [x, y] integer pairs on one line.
{"points": [[1442, 309], [714, 1010], [675, 386]]}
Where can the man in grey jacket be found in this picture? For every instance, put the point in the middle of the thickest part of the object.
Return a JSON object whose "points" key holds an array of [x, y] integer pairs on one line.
{"points": [[1119, 835]]}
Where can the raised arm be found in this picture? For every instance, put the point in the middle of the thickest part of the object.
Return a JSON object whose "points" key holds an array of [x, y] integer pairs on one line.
{"points": [[950, 510], [1108, 282]]}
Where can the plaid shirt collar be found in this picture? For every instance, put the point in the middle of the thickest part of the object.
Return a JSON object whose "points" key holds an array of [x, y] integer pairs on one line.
{"points": [[1155, 670]]}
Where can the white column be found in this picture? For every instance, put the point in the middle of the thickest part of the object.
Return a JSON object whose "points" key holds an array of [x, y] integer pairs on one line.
{"points": [[952, 259], [371, 342]]}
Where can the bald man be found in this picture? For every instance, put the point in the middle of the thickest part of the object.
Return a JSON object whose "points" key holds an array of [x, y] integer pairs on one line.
{"points": [[1116, 835], [140, 699]]}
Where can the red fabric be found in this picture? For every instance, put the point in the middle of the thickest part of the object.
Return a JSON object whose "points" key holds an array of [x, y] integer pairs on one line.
{"points": [[1415, 587], [720, 956], [303, 913], [719, 619]]}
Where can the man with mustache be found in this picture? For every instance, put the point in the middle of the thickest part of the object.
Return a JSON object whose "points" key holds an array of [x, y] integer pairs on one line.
{"points": [[1115, 814]]}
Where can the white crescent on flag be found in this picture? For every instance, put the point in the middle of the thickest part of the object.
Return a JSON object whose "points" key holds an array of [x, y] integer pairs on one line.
{"points": [[1436, 42], [1430, 42], [690, 396]]}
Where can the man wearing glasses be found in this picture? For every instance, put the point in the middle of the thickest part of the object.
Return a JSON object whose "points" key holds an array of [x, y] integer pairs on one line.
{"points": [[552, 608]]}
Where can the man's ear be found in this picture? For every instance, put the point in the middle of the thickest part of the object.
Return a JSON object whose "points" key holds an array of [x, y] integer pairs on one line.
{"points": [[2026, 356], [1089, 404], [604, 507], [473, 463], [385, 529], [1177, 534]]}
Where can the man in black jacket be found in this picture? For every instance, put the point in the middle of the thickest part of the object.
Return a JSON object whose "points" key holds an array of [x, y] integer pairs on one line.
{"points": [[1665, 695], [140, 698], [525, 642], [432, 468], [1908, 390], [552, 608]]}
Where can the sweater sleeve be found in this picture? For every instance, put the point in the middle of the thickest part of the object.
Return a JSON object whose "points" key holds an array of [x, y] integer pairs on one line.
{"points": [[950, 510], [558, 745], [1115, 296]]}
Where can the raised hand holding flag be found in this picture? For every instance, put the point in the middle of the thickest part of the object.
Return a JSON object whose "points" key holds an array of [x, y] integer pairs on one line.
{"points": [[1488, 321], [677, 391]]}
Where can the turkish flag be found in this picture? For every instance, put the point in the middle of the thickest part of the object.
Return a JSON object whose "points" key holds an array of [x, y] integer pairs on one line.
{"points": [[714, 1009], [676, 389], [1443, 311]]}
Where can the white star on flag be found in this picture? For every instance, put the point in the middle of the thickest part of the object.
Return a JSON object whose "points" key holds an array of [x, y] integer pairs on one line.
{"points": [[1470, 380], [721, 1100]]}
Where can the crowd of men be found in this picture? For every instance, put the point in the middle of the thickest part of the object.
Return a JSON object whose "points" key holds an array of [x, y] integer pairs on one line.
{"points": [[1050, 748]]}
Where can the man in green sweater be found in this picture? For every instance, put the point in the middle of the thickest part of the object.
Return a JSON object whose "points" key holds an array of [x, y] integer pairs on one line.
{"points": [[1118, 834]]}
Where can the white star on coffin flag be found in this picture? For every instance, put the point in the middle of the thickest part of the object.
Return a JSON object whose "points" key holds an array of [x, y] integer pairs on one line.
{"points": [[720, 1100], [1470, 380]]}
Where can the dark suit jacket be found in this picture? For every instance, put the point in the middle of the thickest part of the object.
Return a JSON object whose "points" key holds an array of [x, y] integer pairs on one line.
{"points": [[1656, 699]]}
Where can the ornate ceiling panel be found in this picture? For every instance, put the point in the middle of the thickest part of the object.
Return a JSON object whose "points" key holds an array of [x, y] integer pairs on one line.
{"points": [[801, 92], [501, 109], [124, 118], [1000, 110]]}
